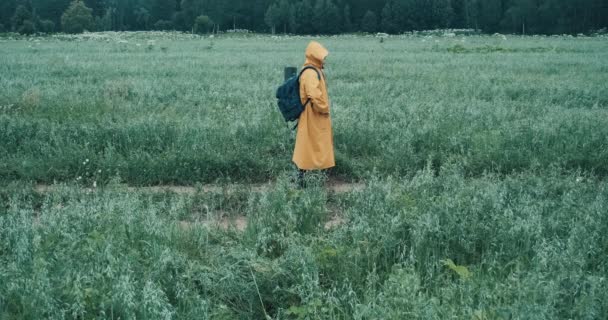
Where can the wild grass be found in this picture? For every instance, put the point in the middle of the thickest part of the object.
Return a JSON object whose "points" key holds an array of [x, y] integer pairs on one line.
{"points": [[483, 159], [194, 113], [523, 247]]}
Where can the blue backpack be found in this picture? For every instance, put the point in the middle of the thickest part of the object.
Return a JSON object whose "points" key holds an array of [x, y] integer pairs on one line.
{"points": [[288, 96]]}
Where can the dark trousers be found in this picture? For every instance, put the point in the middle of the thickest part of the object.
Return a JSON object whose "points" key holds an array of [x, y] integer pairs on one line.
{"points": [[301, 180]]}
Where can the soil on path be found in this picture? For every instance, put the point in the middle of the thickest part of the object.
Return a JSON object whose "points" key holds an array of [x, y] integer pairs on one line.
{"points": [[226, 222], [333, 185]]}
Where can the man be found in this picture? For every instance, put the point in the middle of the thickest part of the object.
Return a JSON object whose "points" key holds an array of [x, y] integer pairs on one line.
{"points": [[314, 148]]}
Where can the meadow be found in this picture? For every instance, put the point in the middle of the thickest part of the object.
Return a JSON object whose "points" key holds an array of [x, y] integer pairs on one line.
{"points": [[483, 159], [199, 110]]}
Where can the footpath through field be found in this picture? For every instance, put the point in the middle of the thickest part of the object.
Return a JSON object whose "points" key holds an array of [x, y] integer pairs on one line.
{"points": [[228, 221], [333, 185]]}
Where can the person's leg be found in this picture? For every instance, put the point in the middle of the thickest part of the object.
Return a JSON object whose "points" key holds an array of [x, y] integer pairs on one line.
{"points": [[301, 178]]}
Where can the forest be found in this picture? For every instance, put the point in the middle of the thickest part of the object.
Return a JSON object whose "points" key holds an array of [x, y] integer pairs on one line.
{"points": [[304, 16]]}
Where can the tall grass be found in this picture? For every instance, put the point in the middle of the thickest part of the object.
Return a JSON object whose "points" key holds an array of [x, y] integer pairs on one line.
{"points": [[485, 163], [197, 113], [531, 247]]}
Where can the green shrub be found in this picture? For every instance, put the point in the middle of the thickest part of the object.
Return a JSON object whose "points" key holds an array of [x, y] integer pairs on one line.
{"points": [[202, 24]]}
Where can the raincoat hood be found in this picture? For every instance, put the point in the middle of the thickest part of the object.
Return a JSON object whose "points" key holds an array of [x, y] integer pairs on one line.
{"points": [[316, 54]]}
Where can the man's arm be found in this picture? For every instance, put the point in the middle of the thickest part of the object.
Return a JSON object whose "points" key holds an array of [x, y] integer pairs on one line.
{"points": [[311, 84]]}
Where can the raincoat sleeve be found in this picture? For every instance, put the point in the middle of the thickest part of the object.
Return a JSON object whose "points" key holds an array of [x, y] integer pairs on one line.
{"points": [[311, 84]]}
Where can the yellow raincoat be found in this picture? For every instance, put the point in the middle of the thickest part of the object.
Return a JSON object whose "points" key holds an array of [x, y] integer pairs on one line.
{"points": [[314, 140]]}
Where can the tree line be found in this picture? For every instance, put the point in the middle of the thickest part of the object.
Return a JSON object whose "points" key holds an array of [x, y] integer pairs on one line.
{"points": [[304, 16]]}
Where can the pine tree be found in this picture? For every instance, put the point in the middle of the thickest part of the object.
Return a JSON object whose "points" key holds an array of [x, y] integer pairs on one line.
{"points": [[292, 22], [490, 15], [23, 20], [7, 10], [190, 9], [104, 23], [333, 18], [50, 9], [304, 17], [162, 9], [414, 14], [96, 5], [394, 16], [369, 23], [319, 17], [520, 16], [348, 23], [272, 17], [459, 18], [22, 14], [551, 17], [388, 23], [258, 11], [442, 14], [472, 13], [283, 14], [143, 18]]}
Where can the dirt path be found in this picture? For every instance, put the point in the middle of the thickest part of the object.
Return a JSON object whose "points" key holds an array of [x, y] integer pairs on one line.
{"points": [[334, 186], [238, 222]]}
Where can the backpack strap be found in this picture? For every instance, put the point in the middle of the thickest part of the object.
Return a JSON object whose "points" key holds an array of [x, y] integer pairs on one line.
{"points": [[307, 101], [311, 67], [318, 76]]}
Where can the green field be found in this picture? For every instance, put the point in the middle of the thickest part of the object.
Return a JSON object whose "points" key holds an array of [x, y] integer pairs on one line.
{"points": [[483, 159], [201, 110]]}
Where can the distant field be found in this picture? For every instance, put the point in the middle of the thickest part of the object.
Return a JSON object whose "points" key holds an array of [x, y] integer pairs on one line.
{"points": [[169, 108], [481, 165]]}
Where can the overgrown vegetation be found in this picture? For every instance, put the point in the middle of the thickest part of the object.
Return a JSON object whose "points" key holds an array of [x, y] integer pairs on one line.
{"points": [[484, 162], [526, 246]]}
